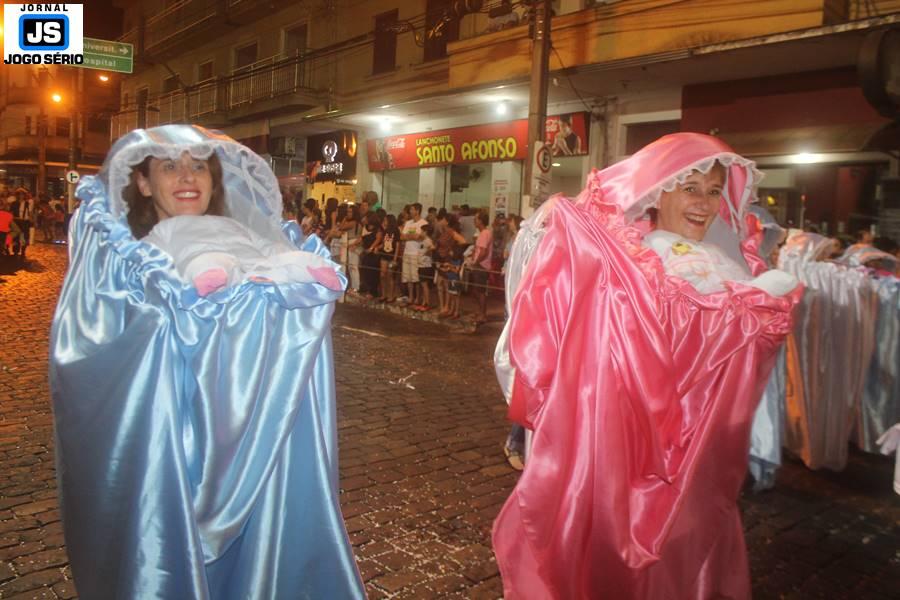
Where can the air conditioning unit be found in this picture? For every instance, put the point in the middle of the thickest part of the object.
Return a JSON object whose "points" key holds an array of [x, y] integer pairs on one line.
{"points": [[284, 146]]}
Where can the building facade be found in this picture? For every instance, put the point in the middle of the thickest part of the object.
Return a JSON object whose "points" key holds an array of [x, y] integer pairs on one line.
{"points": [[43, 115], [424, 99]]}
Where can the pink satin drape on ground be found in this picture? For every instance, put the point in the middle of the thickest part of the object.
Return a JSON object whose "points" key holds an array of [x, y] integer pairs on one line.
{"points": [[641, 394]]}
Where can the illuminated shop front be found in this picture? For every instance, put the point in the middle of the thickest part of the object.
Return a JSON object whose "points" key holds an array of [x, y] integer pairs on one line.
{"points": [[480, 165]]}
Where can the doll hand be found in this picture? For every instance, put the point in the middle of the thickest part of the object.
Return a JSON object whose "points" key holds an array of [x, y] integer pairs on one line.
{"points": [[327, 277], [209, 281], [890, 440], [775, 282]]}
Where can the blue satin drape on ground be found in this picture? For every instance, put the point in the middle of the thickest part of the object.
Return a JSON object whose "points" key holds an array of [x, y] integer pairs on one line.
{"points": [[196, 437]]}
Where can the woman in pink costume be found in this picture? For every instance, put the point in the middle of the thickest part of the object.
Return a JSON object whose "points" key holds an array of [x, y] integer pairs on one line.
{"points": [[640, 387]]}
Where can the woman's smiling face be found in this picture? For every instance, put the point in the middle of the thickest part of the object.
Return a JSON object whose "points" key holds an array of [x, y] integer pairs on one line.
{"points": [[178, 187], [690, 208]]}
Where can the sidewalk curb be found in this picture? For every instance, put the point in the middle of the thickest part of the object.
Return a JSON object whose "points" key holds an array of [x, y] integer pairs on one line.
{"points": [[460, 326]]}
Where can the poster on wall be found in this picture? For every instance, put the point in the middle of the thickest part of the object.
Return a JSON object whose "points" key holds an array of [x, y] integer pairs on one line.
{"points": [[331, 157], [567, 134], [500, 196], [491, 142]]}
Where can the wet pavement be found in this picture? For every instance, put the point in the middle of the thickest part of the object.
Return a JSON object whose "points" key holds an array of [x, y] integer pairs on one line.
{"points": [[421, 427]]}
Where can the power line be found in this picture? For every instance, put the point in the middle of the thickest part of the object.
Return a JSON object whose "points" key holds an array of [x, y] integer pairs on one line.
{"points": [[569, 79]]}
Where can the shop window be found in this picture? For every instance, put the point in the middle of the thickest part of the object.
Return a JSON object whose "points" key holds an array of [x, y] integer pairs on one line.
{"points": [[205, 71], [469, 184], [399, 187], [638, 135], [62, 126], [441, 27], [385, 47]]}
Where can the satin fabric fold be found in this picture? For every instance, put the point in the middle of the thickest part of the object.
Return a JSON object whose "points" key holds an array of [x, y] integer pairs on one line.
{"points": [[880, 408], [829, 352], [641, 394], [196, 437]]}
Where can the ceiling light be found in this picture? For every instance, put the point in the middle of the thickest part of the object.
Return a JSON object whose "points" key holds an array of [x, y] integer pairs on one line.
{"points": [[385, 106], [385, 126], [806, 158], [502, 109], [557, 165], [104, 78]]}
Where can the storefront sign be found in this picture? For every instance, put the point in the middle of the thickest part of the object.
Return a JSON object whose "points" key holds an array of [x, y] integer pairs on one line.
{"points": [[493, 142], [331, 157]]}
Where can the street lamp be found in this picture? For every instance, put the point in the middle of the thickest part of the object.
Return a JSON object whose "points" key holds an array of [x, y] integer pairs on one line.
{"points": [[103, 78], [56, 97]]}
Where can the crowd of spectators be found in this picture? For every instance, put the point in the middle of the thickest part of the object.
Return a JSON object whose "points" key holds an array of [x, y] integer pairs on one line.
{"points": [[424, 260], [22, 217]]}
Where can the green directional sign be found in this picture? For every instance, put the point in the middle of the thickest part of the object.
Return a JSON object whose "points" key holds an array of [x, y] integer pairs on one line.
{"points": [[107, 55]]}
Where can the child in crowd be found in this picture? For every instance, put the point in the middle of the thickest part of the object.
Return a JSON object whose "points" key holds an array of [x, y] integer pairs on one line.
{"points": [[426, 270], [451, 271]]}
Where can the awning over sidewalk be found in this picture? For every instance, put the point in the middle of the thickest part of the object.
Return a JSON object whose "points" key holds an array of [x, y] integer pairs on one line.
{"points": [[817, 112]]}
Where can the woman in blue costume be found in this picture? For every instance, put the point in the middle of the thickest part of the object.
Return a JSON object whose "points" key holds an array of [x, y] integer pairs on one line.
{"points": [[196, 439]]}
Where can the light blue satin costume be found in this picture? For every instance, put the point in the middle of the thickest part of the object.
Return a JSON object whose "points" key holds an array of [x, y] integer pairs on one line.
{"points": [[196, 439], [880, 408]]}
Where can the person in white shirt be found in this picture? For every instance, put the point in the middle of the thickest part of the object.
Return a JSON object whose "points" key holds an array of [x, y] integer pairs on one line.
{"points": [[412, 237]]}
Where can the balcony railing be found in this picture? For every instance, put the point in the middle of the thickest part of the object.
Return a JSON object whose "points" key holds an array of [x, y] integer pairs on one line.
{"points": [[268, 78], [480, 23], [183, 19], [177, 19]]}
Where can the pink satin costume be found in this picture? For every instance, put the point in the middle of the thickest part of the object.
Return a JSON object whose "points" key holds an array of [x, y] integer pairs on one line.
{"points": [[640, 392]]}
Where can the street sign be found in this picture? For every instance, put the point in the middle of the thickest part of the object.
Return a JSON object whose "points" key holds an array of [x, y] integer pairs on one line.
{"points": [[107, 55], [72, 176], [539, 186], [544, 159]]}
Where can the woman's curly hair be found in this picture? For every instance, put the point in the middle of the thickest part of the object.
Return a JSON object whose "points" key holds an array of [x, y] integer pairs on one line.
{"points": [[142, 215]]}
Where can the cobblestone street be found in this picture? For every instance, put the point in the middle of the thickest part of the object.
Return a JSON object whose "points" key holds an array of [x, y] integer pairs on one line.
{"points": [[421, 427]]}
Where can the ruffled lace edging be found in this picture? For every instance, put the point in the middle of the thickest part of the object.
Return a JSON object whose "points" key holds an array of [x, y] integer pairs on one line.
{"points": [[668, 288], [727, 159]]}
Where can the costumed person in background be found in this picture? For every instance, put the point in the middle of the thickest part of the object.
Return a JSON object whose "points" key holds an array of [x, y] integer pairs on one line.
{"points": [[767, 433], [639, 388], [829, 352], [196, 436]]}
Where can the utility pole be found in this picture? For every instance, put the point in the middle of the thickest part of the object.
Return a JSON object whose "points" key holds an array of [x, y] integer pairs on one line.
{"points": [[74, 137], [42, 149], [537, 100]]}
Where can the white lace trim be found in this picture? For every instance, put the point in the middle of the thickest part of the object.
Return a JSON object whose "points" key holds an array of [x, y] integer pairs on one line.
{"points": [[121, 165], [252, 194]]}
